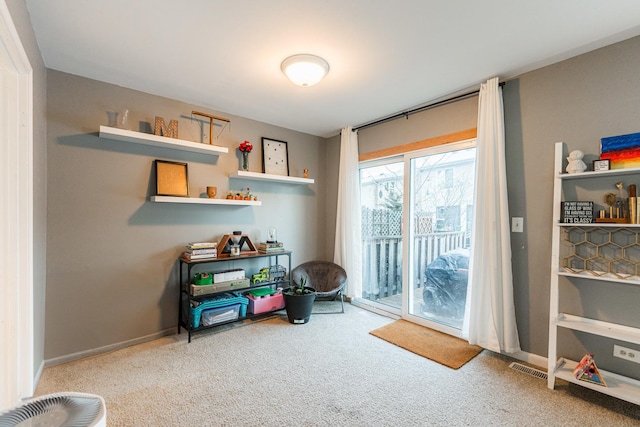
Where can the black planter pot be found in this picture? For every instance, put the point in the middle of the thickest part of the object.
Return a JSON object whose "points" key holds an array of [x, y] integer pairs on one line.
{"points": [[299, 307]]}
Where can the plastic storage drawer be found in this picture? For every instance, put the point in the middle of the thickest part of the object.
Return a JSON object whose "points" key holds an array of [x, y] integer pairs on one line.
{"points": [[213, 316], [265, 303], [222, 300]]}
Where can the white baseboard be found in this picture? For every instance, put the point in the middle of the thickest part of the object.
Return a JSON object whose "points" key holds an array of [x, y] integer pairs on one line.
{"points": [[108, 348], [36, 379]]}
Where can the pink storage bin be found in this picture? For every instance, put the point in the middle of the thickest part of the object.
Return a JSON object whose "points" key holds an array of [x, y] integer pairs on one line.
{"points": [[266, 303]]}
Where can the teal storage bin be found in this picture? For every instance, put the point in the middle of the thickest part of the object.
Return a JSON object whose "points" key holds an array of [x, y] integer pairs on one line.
{"points": [[222, 300]]}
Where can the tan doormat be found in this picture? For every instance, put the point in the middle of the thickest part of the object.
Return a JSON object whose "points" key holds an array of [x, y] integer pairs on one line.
{"points": [[437, 346]]}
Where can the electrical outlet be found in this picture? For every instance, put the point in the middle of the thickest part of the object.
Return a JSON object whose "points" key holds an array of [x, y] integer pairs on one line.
{"points": [[626, 353]]}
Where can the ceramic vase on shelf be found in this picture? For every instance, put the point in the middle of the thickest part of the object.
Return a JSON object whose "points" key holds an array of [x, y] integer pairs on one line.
{"points": [[245, 160]]}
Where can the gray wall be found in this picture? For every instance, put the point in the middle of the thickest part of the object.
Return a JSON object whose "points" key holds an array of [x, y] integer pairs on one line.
{"points": [[111, 266], [21, 20], [112, 254], [449, 118], [577, 101]]}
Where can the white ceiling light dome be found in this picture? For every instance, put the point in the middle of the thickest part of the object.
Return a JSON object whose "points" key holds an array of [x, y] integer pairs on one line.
{"points": [[304, 69]]}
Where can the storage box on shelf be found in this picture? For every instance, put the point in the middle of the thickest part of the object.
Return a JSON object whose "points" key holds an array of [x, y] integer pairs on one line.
{"points": [[229, 285], [213, 316], [194, 299], [224, 300], [265, 303], [602, 252]]}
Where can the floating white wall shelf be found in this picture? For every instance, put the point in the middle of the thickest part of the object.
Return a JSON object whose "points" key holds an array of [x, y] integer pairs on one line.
{"points": [[257, 176], [160, 141], [203, 201]]}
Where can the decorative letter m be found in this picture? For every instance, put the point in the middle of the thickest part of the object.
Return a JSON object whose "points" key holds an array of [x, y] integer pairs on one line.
{"points": [[162, 130]]}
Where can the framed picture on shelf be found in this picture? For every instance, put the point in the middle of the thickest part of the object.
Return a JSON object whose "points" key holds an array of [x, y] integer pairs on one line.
{"points": [[172, 179], [275, 158], [601, 165]]}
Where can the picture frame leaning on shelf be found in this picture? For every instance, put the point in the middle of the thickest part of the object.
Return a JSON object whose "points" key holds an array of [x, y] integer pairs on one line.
{"points": [[601, 165], [275, 157], [172, 178]]}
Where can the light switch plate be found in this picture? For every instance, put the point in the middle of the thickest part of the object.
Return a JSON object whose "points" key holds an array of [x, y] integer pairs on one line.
{"points": [[517, 224]]}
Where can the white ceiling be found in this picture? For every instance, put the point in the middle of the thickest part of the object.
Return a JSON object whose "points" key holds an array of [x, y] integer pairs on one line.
{"points": [[385, 56]]}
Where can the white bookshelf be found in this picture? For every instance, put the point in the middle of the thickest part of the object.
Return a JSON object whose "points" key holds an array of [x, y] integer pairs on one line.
{"points": [[620, 386]]}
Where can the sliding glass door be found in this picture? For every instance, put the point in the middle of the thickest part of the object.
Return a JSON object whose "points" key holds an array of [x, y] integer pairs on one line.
{"points": [[417, 212], [439, 198]]}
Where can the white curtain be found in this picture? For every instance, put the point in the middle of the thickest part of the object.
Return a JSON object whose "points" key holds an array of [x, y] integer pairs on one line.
{"points": [[490, 320], [347, 251]]}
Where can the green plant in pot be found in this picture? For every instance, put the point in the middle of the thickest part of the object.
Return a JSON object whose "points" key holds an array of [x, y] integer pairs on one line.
{"points": [[298, 301]]}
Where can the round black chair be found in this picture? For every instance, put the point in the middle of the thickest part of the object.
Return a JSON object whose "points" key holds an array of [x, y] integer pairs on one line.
{"points": [[327, 278]]}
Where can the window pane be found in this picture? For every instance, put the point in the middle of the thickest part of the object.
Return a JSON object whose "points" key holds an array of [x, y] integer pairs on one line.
{"points": [[441, 200], [381, 192]]}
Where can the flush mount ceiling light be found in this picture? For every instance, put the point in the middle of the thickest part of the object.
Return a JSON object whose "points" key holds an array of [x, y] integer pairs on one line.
{"points": [[305, 70]]}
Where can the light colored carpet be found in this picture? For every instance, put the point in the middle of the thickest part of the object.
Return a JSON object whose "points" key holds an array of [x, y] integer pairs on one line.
{"points": [[442, 348], [328, 372]]}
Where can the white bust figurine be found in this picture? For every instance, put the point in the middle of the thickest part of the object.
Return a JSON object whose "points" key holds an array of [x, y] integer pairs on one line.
{"points": [[576, 165]]}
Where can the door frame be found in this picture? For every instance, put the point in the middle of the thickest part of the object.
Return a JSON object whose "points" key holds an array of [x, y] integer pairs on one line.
{"points": [[16, 216]]}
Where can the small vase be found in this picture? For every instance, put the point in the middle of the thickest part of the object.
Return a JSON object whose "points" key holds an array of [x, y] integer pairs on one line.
{"points": [[245, 160]]}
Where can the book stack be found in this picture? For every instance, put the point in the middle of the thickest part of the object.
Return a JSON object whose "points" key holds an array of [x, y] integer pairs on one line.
{"points": [[200, 250], [270, 247]]}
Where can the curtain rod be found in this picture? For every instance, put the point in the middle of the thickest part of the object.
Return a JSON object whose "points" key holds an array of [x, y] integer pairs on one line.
{"points": [[406, 114]]}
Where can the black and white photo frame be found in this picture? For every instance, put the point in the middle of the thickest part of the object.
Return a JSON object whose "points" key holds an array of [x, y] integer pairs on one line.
{"points": [[275, 157]]}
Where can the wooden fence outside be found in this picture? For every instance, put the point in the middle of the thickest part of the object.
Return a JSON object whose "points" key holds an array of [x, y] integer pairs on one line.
{"points": [[382, 260]]}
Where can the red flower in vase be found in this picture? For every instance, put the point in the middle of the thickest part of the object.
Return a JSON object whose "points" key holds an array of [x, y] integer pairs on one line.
{"points": [[245, 147]]}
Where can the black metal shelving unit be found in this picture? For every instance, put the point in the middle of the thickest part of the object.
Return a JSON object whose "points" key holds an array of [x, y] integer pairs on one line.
{"points": [[185, 298]]}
